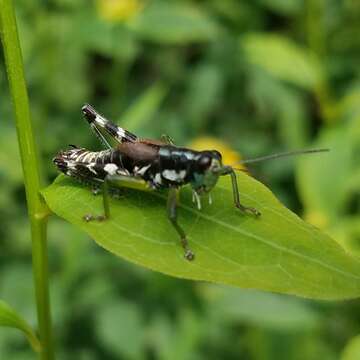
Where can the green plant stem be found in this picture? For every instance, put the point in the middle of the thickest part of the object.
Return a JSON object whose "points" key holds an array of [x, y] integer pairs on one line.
{"points": [[37, 209], [316, 39]]}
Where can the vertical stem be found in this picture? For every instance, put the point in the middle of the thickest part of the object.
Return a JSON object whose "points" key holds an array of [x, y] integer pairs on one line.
{"points": [[316, 38], [314, 23], [37, 209]]}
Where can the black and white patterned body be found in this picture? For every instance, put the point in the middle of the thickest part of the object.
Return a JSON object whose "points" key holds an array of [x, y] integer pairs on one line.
{"points": [[159, 165], [87, 166]]}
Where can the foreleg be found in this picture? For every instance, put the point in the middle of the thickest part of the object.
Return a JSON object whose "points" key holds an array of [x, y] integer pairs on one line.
{"points": [[237, 196]]}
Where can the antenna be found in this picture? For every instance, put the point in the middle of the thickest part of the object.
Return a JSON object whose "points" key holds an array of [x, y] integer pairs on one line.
{"points": [[284, 154]]}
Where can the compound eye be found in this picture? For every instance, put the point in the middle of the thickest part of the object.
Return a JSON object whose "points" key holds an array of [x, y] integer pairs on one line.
{"points": [[205, 161]]}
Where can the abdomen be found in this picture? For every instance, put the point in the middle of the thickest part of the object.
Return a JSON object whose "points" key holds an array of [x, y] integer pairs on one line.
{"points": [[87, 165]]}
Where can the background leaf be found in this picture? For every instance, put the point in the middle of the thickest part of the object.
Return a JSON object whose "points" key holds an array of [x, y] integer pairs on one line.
{"points": [[282, 58], [335, 214], [174, 23], [143, 108], [283, 6], [270, 311], [127, 339], [277, 252], [10, 318], [316, 192], [352, 349]]}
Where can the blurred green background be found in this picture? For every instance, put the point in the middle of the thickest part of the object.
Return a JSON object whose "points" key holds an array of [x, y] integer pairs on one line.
{"points": [[261, 76]]}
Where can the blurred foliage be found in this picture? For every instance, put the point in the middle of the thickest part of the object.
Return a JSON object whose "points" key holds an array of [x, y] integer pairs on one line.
{"points": [[263, 76], [352, 349], [9, 318]]}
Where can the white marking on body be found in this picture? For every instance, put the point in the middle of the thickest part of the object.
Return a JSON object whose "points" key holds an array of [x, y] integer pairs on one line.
{"points": [[71, 165], [123, 172], [91, 168], [88, 158], [182, 174], [158, 179], [74, 154], [79, 157], [99, 154], [111, 169], [189, 155], [174, 175], [100, 120], [142, 170], [121, 132]]}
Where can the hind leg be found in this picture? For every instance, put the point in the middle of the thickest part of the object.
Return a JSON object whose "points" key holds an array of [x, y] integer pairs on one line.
{"points": [[98, 122], [106, 206], [118, 181]]}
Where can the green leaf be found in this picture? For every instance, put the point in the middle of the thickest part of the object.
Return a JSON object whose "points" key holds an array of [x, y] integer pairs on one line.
{"points": [[276, 252], [104, 37], [205, 87], [10, 318], [283, 59], [174, 23], [352, 349]]}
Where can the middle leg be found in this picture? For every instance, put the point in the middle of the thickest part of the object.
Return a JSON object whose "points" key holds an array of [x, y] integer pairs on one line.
{"points": [[172, 214]]}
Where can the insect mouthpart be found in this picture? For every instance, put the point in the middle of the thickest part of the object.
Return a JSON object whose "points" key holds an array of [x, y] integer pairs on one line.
{"points": [[207, 180]]}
